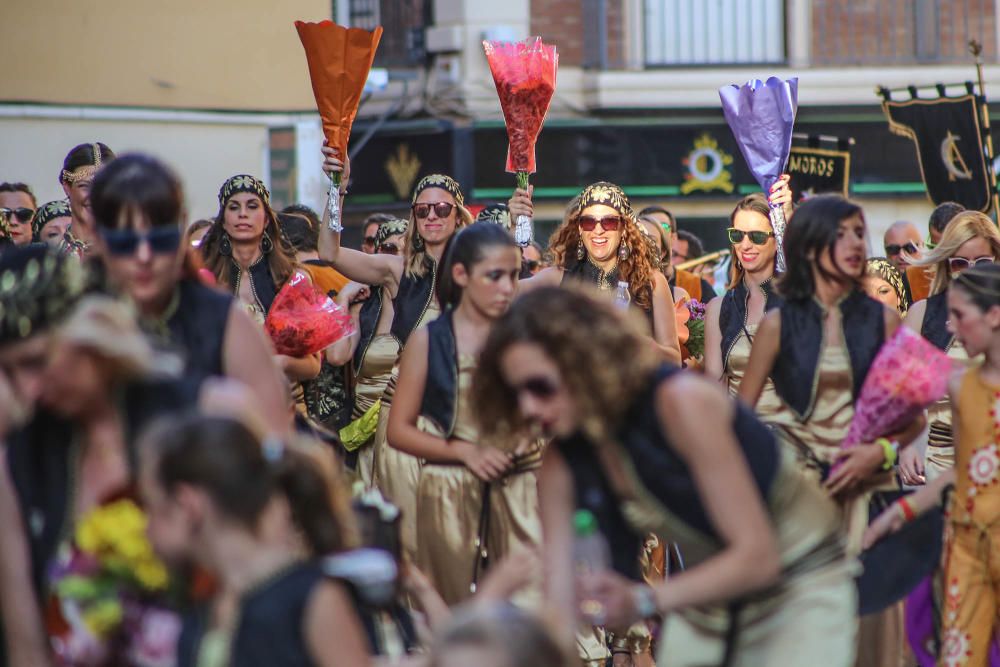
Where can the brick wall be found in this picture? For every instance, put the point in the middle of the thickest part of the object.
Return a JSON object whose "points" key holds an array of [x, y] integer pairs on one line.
{"points": [[565, 23], [901, 31]]}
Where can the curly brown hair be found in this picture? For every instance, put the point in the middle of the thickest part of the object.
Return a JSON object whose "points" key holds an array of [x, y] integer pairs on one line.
{"points": [[603, 355], [637, 270]]}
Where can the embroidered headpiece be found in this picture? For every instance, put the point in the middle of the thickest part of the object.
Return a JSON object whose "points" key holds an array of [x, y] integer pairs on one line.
{"points": [[38, 287], [882, 268], [389, 228], [243, 183], [85, 172], [498, 214], [607, 194], [47, 213], [440, 181]]}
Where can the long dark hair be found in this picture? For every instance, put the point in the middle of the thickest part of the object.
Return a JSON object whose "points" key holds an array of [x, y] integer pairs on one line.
{"points": [[813, 231], [467, 247], [981, 284], [241, 474]]}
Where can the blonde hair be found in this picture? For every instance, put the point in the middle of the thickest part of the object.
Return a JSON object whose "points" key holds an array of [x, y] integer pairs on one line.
{"points": [[755, 203], [963, 228], [416, 261]]}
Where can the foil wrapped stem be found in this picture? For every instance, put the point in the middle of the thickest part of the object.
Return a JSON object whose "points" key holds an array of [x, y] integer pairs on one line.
{"points": [[778, 225], [333, 204], [524, 230]]}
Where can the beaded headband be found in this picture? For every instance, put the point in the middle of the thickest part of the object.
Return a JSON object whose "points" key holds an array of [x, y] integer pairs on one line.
{"points": [[47, 213], [606, 194], [243, 183], [85, 172], [440, 181], [389, 228], [882, 268]]}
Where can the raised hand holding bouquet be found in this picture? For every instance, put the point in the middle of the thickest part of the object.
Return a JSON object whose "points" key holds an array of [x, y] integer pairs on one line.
{"points": [[303, 320], [525, 77], [339, 61]]}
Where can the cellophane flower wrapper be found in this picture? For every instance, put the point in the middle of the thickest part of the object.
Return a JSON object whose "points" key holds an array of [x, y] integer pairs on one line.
{"points": [[525, 77], [908, 375], [303, 320], [696, 329]]}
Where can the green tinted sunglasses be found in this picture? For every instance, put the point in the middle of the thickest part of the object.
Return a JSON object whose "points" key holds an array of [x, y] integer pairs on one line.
{"points": [[756, 238]]}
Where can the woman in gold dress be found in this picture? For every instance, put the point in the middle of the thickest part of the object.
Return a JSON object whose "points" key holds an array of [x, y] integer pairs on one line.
{"points": [[476, 499]]}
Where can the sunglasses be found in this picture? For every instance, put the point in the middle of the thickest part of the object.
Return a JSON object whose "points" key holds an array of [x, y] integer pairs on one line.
{"points": [[530, 264], [609, 223], [369, 240], [895, 249], [442, 209], [388, 249], [961, 263], [126, 241], [22, 214], [539, 387], [757, 238]]}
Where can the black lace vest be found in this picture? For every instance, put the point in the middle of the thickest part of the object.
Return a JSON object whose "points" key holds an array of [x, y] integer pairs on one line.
{"points": [[411, 302], [440, 398], [935, 325], [261, 282], [733, 313], [198, 328]]}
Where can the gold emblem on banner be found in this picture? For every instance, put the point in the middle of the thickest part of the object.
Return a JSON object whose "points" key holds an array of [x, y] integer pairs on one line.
{"points": [[707, 167], [952, 158], [402, 168]]}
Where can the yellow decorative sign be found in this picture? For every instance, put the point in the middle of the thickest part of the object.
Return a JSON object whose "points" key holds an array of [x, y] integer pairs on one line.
{"points": [[402, 168], [707, 167]]}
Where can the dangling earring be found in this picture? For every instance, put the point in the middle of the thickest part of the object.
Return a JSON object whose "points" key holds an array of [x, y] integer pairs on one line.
{"points": [[225, 246], [623, 252], [418, 243], [266, 245], [581, 253]]}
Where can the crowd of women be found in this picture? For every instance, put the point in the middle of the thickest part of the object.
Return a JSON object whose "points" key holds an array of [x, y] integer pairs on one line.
{"points": [[175, 493]]}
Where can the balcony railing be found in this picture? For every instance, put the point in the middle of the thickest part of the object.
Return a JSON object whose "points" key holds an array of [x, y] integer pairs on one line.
{"points": [[714, 32]]}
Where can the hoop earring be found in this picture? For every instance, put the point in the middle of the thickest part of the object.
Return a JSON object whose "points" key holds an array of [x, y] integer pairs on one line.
{"points": [[418, 243], [225, 246], [266, 245], [624, 252], [581, 253]]}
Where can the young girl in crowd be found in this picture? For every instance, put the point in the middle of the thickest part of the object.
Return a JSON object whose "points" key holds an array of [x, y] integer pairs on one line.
{"points": [[766, 581], [475, 496], [970, 239], [971, 600], [257, 516]]}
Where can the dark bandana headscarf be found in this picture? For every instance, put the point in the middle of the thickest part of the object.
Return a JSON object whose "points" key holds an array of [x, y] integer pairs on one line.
{"points": [[606, 194], [46, 214], [439, 181], [243, 183], [38, 287], [498, 214], [880, 267], [389, 228]]}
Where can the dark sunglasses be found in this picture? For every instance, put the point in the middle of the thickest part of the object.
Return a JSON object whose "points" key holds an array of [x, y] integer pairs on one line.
{"points": [[388, 249], [126, 241], [756, 238], [895, 249], [370, 240], [539, 387], [961, 263], [609, 223], [442, 209], [530, 264], [22, 214]]}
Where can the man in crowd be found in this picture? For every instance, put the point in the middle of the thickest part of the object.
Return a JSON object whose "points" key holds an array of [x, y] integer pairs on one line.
{"points": [[902, 239], [917, 278], [369, 228]]}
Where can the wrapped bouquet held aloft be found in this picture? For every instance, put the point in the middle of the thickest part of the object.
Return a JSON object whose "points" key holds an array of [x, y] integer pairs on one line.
{"points": [[339, 61], [525, 77]]}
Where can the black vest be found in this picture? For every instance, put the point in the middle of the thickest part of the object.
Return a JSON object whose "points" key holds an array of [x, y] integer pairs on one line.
{"points": [[795, 369], [663, 473], [371, 310], [585, 271], [261, 282], [935, 325], [412, 300], [733, 313], [441, 388], [198, 328]]}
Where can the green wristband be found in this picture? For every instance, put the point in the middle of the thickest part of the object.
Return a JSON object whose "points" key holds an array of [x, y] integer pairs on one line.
{"points": [[889, 450]]}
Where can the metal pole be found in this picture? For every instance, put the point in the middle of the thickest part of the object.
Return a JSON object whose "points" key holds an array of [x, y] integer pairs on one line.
{"points": [[976, 49]]}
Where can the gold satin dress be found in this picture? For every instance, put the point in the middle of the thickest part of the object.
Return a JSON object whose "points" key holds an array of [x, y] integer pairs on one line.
{"points": [[372, 379], [451, 526], [396, 472], [940, 455], [736, 367]]}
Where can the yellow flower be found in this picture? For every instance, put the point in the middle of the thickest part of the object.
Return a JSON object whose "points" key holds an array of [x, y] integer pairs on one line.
{"points": [[151, 574], [116, 534], [103, 616]]}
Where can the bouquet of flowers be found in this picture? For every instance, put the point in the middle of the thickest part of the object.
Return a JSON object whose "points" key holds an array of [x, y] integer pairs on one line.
{"points": [[525, 77], [303, 320], [696, 329], [339, 61], [107, 592]]}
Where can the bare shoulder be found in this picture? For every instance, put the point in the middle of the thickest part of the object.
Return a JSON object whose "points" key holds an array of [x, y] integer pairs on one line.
{"points": [[548, 277], [691, 394]]}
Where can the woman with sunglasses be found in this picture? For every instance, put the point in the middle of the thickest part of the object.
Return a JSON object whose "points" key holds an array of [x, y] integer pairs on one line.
{"points": [[17, 208], [732, 320], [600, 243], [970, 239], [766, 581], [138, 207], [477, 496]]}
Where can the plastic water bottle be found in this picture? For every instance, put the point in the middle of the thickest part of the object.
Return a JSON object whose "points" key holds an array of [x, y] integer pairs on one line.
{"points": [[591, 555], [622, 296]]}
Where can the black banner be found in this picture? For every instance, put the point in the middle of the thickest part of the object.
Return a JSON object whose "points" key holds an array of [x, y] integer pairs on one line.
{"points": [[950, 147], [817, 171]]}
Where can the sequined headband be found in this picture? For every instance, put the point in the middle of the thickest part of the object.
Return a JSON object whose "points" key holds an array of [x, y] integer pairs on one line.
{"points": [[243, 183], [606, 194], [440, 181], [389, 228], [38, 287], [87, 171], [47, 213], [498, 214], [883, 269]]}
